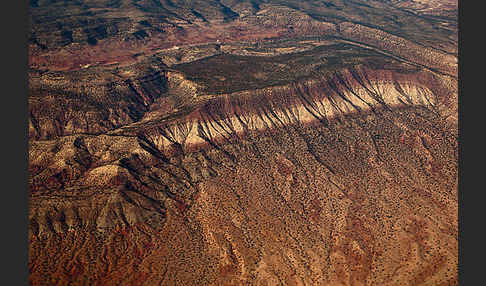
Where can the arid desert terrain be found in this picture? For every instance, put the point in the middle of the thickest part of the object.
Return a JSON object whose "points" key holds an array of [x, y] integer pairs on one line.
{"points": [[243, 142]]}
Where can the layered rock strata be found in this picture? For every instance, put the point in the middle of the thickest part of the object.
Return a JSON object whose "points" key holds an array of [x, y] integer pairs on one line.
{"points": [[339, 180], [243, 142]]}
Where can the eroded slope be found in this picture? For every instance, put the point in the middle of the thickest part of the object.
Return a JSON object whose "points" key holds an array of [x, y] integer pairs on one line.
{"points": [[321, 152]]}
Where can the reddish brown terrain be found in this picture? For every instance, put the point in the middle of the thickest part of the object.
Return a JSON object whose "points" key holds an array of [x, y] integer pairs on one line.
{"points": [[243, 142]]}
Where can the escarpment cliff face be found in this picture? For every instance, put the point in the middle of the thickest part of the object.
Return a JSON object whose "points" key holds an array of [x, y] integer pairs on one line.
{"points": [[335, 171], [92, 101], [325, 153]]}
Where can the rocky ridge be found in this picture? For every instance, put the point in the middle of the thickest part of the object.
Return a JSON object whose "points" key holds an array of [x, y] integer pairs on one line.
{"points": [[276, 164]]}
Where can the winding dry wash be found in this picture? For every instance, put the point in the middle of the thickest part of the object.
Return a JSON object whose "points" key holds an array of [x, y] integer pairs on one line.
{"points": [[243, 142]]}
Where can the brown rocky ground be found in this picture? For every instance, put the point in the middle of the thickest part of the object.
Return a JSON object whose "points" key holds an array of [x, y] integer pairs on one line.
{"points": [[326, 155]]}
